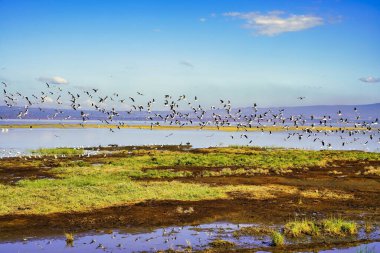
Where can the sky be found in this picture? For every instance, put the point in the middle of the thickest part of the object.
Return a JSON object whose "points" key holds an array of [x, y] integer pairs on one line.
{"points": [[249, 51]]}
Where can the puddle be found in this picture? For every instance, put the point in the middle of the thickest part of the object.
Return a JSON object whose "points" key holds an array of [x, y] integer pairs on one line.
{"points": [[364, 248], [175, 238]]}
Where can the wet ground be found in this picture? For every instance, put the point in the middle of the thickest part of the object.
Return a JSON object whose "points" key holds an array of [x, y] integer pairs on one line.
{"points": [[183, 239], [179, 225]]}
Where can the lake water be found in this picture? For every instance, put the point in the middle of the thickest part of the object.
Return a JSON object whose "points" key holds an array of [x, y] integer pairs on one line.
{"points": [[151, 240], [19, 141]]}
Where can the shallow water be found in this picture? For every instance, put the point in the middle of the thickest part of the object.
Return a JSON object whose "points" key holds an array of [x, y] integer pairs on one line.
{"points": [[364, 248], [178, 238], [18, 141]]}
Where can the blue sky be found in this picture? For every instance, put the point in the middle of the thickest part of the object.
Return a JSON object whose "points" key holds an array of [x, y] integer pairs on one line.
{"points": [[263, 51]]}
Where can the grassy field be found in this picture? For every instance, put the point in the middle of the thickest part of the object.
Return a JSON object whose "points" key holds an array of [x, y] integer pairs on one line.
{"points": [[78, 185], [288, 196], [57, 151]]}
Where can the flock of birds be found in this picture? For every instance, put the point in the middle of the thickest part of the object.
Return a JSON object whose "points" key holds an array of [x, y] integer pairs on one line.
{"points": [[186, 111]]}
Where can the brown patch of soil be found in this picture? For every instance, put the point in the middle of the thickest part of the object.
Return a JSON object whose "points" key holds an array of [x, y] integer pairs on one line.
{"points": [[300, 247], [12, 176], [164, 213]]}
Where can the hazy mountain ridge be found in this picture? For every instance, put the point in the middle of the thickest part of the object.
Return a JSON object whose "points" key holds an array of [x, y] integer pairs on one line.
{"points": [[366, 112]]}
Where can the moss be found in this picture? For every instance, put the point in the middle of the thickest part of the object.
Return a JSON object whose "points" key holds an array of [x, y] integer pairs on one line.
{"points": [[252, 231], [218, 243]]}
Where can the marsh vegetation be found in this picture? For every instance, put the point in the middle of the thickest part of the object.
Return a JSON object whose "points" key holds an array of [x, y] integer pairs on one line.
{"points": [[313, 194]]}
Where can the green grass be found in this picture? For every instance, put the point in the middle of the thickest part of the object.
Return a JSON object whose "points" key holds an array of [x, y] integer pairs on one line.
{"points": [[302, 227], [86, 193], [245, 161], [79, 186], [330, 227], [84, 189], [277, 239], [338, 226], [57, 151]]}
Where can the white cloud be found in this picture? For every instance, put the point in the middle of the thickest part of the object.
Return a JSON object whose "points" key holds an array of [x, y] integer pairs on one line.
{"points": [[202, 20], [53, 80], [370, 79], [275, 22], [49, 100]]}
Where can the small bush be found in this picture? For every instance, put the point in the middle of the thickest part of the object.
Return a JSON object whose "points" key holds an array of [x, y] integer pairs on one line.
{"points": [[332, 226], [303, 227], [69, 238], [277, 239], [368, 227], [338, 226]]}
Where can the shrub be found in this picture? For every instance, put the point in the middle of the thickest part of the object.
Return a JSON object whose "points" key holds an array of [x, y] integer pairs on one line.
{"points": [[303, 227], [338, 226], [277, 239]]}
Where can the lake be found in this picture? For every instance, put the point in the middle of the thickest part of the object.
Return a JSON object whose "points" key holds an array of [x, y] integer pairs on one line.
{"points": [[19, 141]]}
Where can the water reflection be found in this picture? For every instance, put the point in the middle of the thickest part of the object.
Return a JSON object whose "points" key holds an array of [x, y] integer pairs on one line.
{"points": [[17, 141], [175, 238]]}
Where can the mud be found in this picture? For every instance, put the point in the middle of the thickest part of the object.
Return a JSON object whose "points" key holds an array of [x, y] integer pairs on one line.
{"points": [[151, 214], [15, 169]]}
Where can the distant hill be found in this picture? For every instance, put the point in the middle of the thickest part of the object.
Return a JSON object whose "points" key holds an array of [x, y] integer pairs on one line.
{"points": [[50, 113], [366, 112]]}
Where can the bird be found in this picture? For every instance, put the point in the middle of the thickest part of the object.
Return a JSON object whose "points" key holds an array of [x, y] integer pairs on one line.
{"points": [[181, 112]]}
